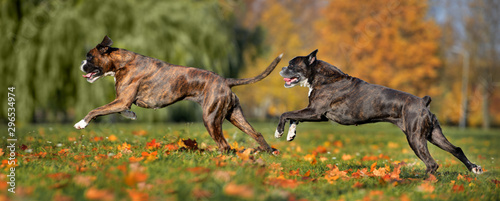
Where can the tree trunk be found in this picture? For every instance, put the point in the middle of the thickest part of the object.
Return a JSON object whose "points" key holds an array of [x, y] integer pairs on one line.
{"points": [[485, 106]]}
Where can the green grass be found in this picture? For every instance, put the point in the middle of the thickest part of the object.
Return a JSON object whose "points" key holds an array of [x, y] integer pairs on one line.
{"points": [[91, 168]]}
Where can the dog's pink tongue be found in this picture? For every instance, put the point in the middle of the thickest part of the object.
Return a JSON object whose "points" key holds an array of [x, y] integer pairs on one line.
{"points": [[287, 79], [87, 75]]}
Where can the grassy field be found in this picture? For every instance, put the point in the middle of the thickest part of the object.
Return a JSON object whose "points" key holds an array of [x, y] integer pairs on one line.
{"points": [[180, 162]]}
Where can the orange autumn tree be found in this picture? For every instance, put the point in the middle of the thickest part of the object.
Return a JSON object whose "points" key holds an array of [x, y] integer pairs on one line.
{"points": [[384, 42]]}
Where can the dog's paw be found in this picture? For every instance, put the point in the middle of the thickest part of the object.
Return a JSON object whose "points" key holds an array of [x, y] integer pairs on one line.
{"points": [[291, 132], [81, 124], [275, 152], [277, 134], [477, 170], [129, 114]]}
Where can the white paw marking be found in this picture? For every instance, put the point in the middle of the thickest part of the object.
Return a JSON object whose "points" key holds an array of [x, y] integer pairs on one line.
{"points": [[277, 134], [81, 124], [291, 132], [129, 114], [477, 170]]}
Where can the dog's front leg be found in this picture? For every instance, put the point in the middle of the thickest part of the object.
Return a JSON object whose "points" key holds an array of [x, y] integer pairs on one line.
{"points": [[292, 130], [114, 107], [307, 114]]}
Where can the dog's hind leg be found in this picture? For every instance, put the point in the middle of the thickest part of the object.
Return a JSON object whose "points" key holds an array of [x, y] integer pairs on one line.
{"points": [[214, 128], [418, 144], [235, 116], [437, 138], [417, 128], [213, 116]]}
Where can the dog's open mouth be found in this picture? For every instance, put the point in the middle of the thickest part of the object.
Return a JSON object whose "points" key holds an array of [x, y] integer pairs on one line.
{"points": [[89, 75], [290, 81], [92, 76]]}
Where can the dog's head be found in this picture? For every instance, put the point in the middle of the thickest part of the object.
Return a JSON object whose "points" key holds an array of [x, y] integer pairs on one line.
{"points": [[98, 62], [298, 70]]}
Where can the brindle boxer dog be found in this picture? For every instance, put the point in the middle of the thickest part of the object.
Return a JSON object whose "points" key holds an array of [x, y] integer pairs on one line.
{"points": [[151, 83], [336, 96]]}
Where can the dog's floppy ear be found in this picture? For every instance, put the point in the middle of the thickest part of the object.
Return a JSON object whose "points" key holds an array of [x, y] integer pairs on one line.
{"points": [[105, 44], [311, 58]]}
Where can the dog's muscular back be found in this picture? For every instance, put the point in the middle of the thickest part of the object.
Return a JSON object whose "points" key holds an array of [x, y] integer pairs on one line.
{"points": [[160, 84], [351, 100]]}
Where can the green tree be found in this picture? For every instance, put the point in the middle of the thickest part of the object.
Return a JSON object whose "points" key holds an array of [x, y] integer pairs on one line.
{"points": [[43, 43]]}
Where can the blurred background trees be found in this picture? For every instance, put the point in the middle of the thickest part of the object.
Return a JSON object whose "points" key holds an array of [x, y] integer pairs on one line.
{"points": [[414, 46]]}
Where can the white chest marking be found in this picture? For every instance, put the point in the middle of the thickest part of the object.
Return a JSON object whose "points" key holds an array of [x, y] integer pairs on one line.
{"points": [[305, 83]]}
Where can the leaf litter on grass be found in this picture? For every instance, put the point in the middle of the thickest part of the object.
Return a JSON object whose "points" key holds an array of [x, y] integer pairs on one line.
{"points": [[145, 164]]}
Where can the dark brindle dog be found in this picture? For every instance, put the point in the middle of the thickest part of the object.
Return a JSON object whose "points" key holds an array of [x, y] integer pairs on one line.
{"points": [[151, 83], [347, 100]]}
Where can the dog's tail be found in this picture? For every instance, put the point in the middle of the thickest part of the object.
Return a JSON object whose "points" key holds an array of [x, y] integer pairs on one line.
{"points": [[235, 82]]}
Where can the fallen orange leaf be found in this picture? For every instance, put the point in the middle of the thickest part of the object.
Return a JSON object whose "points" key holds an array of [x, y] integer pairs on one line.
{"points": [[124, 147], [243, 191], [245, 156], [137, 196], [337, 143], [140, 132], [63, 151], [311, 158], [294, 172], [357, 185], [396, 172], [458, 188], [150, 156], [59, 176], [426, 187], [112, 138], [96, 194], [334, 173], [198, 170], [380, 172], [372, 167], [133, 178], [320, 149], [346, 157], [236, 147], [134, 159], [369, 158], [153, 144], [97, 139], [171, 147], [431, 179], [307, 174], [83, 180], [282, 182]]}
